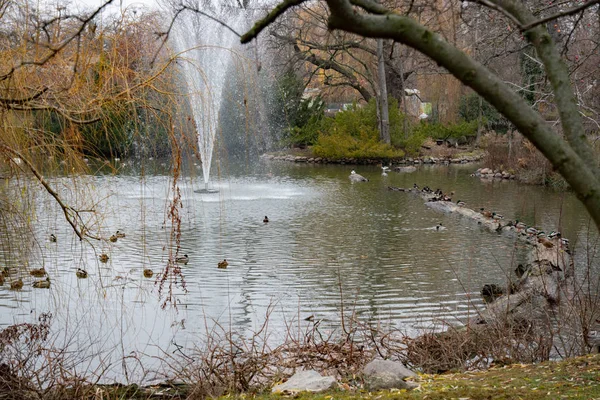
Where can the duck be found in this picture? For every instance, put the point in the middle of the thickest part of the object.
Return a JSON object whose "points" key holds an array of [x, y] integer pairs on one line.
{"points": [[52, 238], [120, 235], [541, 234], [439, 226], [103, 257], [461, 203], [520, 225], [547, 243], [184, 259], [497, 217], [354, 177], [266, 220], [485, 213], [148, 273], [554, 234], [81, 273], [223, 264], [16, 285], [45, 284], [113, 238], [531, 231], [38, 272]]}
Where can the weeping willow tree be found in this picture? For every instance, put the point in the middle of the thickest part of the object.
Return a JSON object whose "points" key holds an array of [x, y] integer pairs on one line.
{"points": [[73, 91]]}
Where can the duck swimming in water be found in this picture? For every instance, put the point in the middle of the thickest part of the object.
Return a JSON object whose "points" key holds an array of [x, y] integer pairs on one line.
{"points": [[223, 264], [184, 259], [103, 258], [148, 273], [354, 177], [81, 273], [45, 284], [52, 238], [39, 272], [266, 220], [16, 285], [120, 234], [113, 238]]}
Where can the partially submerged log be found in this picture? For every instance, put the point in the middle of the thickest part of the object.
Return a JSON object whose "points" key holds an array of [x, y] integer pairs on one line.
{"points": [[540, 296]]}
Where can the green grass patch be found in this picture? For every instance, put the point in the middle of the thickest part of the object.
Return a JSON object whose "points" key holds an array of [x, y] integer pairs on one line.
{"points": [[576, 378]]}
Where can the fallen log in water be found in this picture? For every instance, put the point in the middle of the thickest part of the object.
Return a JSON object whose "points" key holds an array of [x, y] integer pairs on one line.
{"points": [[540, 300]]}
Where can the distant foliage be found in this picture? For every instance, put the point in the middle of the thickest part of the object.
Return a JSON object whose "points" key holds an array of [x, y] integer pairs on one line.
{"points": [[354, 133], [468, 110]]}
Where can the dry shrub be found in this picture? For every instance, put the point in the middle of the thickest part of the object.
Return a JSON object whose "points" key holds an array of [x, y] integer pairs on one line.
{"points": [[477, 347], [517, 155], [233, 363]]}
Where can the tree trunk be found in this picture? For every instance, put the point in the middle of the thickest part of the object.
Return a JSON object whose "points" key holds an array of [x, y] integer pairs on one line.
{"points": [[479, 121], [384, 131], [403, 98]]}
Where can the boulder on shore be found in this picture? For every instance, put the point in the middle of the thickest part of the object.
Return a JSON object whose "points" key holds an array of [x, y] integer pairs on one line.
{"points": [[386, 374], [305, 381]]}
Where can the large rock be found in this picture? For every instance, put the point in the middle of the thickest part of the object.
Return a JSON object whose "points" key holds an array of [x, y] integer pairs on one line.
{"points": [[305, 381], [386, 374]]}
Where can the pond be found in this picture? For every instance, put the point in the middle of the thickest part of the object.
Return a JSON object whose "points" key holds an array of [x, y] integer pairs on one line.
{"points": [[329, 243]]}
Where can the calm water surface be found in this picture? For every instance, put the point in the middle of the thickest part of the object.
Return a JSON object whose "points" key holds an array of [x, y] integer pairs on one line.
{"points": [[328, 241]]}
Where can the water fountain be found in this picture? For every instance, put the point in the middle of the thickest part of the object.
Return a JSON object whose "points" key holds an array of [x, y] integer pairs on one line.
{"points": [[205, 47]]}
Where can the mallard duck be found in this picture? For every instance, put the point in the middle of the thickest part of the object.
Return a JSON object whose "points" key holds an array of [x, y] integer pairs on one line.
{"points": [[541, 234], [531, 231], [223, 264], [439, 226], [120, 234], [113, 238], [485, 213], [461, 203], [81, 273], [16, 285], [266, 220], [45, 284], [6, 271], [520, 225], [354, 177], [554, 234], [497, 217], [38, 272], [103, 258], [148, 273], [547, 243], [182, 259], [52, 238]]}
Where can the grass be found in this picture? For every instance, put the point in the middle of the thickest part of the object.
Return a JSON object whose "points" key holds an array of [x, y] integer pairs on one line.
{"points": [[576, 378]]}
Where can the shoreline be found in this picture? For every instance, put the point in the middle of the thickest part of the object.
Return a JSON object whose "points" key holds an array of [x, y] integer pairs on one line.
{"points": [[461, 159]]}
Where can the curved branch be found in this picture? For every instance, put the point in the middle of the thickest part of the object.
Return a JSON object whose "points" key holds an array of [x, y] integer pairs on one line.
{"points": [[332, 65], [549, 18], [261, 24], [558, 75], [71, 215], [24, 100]]}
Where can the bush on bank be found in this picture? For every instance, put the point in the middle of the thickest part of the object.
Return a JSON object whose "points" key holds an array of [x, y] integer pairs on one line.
{"points": [[354, 133]]}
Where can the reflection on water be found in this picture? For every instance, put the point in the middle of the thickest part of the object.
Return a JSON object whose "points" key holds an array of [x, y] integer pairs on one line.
{"points": [[327, 240]]}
